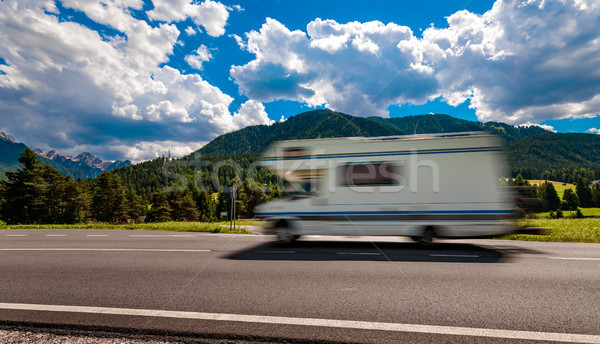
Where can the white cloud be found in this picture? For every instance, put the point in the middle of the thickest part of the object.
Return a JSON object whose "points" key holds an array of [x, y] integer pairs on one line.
{"points": [[190, 31], [543, 126], [209, 14], [518, 62], [593, 131], [202, 54], [251, 113], [64, 85], [354, 67]]}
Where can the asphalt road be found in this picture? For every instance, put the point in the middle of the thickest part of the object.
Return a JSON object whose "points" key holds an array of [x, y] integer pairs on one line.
{"points": [[346, 290]]}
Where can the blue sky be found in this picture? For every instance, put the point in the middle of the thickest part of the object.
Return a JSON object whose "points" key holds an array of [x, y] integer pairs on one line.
{"points": [[132, 79]]}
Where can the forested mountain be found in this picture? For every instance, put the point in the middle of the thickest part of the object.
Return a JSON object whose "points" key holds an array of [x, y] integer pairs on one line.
{"points": [[326, 123]]}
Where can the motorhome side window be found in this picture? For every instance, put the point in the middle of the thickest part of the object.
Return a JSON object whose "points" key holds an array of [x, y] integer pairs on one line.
{"points": [[369, 174]]}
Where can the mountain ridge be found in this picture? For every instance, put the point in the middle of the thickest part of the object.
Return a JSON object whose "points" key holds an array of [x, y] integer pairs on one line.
{"points": [[324, 123], [86, 162], [84, 165]]}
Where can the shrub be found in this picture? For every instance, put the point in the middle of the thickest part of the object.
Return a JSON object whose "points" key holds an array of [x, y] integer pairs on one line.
{"points": [[579, 214], [559, 214]]}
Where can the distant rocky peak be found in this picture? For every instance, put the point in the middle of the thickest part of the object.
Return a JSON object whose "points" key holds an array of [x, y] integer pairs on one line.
{"points": [[7, 137], [89, 159]]}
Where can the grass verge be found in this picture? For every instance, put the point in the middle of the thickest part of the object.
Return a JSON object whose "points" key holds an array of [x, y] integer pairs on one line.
{"points": [[584, 211], [159, 226], [561, 230]]}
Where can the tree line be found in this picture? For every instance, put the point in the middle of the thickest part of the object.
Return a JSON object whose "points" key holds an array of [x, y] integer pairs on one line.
{"points": [[38, 194], [585, 195]]}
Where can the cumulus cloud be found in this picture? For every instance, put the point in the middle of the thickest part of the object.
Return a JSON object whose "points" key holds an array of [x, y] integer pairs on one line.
{"points": [[354, 67], [543, 126], [202, 54], [518, 62], [209, 14], [593, 131], [251, 113], [190, 31], [64, 85], [521, 61]]}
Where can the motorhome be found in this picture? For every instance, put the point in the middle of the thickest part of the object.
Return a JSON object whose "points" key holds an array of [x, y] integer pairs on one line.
{"points": [[420, 186]]}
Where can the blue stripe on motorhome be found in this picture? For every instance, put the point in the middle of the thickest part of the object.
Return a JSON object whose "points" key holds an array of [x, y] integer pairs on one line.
{"points": [[385, 154]]}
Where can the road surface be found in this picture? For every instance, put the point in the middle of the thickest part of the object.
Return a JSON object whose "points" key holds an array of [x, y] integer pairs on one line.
{"points": [[229, 286]]}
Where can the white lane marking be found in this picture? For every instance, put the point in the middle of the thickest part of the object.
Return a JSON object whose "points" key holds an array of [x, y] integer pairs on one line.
{"points": [[96, 235], [361, 253], [454, 255], [162, 235], [361, 325], [56, 235], [16, 235], [104, 249], [574, 258]]}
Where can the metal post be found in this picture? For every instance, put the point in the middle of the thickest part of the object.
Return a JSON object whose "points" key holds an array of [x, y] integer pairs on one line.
{"points": [[231, 209]]}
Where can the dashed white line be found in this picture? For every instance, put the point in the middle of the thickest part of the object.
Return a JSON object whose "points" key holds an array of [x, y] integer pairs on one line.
{"points": [[162, 235], [332, 323], [574, 258], [55, 235], [96, 235], [16, 235], [104, 249]]}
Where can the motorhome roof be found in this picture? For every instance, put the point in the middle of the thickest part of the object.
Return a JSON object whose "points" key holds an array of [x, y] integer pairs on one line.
{"points": [[397, 137]]}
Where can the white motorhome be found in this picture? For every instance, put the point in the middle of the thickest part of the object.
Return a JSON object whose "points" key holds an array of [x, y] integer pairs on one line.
{"points": [[421, 186]]}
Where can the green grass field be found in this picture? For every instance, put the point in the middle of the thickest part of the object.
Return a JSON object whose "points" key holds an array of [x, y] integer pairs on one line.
{"points": [[160, 226], [558, 186], [566, 213], [561, 230]]}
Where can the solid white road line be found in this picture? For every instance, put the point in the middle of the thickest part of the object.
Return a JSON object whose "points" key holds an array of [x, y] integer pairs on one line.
{"points": [[103, 249], [361, 325], [574, 258]]}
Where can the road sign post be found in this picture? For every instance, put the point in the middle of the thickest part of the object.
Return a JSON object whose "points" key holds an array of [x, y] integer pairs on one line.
{"points": [[234, 204]]}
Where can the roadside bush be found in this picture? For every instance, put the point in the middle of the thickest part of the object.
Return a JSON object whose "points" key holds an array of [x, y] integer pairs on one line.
{"points": [[579, 214], [556, 215]]}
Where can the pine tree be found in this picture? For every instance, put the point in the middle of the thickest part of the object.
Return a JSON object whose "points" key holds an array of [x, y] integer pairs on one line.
{"points": [[251, 194], [571, 199], [206, 207], [133, 205], [108, 203], [24, 191], [160, 211], [584, 192], [548, 194], [189, 211], [39, 194], [221, 205]]}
